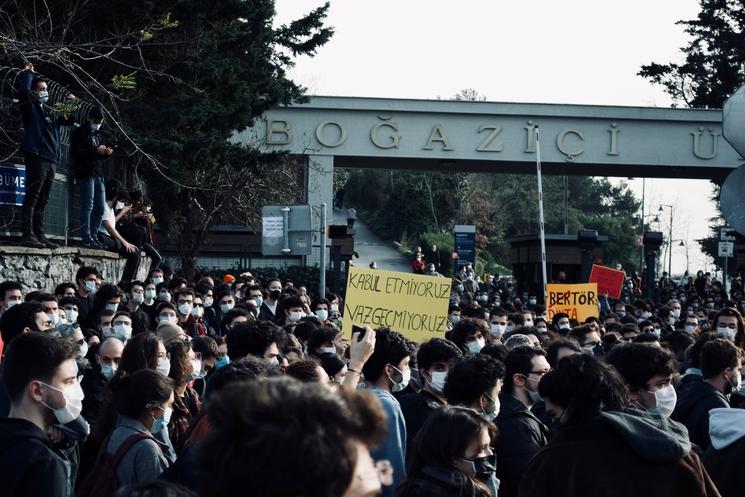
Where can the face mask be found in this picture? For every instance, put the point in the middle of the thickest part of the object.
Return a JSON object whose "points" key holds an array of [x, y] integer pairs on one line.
{"points": [[225, 308], [334, 308], [112, 307], [259, 301], [274, 294], [676, 313], [197, 312], [208, 301], [621, 314], [163, 366], [82, 350], [165, 296], [160, 424], [184, 309], [491, 411], [274, 362], [689, 328], [710, 305], [475, 346], [95, 127], [222, 362], [149, 294], [322, 314], [533, 394], [532, 301], [665, 399], [157, 280], [138, 298], [727, 332], [71, 315], [90, 286], [53, 317], [437, 380], [405, 378], [589, 349], [107, 331], [565, 326], [197, 372], [295, 316], [328, 350], [119, 206], [238, 295], [528, 322], [122, 331], [497, 330], [657, 332], [73, 403], [454, 319], [671, 321], [108, 371], [167, 318], [510, 327]]}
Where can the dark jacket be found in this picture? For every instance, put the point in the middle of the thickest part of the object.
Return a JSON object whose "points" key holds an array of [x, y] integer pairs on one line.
{"points": [[266, 313], [86, 162], [619, 454], [521, 436], [94, 387], [692, 409], [417, 407], [438, 481], [725, 456], [38, 120], [29, 466]]}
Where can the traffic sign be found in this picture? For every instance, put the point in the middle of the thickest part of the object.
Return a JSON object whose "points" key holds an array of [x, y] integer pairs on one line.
{"points": [[726, 249]]}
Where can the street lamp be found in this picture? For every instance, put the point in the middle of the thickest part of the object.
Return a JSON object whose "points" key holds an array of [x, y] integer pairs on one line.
{"points": [[670, 240], [683, 243]]}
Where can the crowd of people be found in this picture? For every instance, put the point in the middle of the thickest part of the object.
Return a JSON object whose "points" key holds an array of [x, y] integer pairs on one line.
{"points": [[241, 387]]}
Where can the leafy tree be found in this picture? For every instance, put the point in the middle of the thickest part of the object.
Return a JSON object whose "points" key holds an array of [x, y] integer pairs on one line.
{"points": [[711, 72], [177, 79]]}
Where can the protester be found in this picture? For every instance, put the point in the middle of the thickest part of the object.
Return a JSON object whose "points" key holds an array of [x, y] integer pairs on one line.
{"points": [[111, 239], [41, 151], [723, 458], [452, 457], [95, 381], [602, 450]]}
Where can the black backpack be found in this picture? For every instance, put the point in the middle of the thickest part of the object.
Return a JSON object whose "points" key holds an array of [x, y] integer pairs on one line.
{"points": [[102, 480]]}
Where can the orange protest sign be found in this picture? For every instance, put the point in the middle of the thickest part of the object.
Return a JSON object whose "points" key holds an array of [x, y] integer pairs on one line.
{"points": [[577, 301], [610, 281]]}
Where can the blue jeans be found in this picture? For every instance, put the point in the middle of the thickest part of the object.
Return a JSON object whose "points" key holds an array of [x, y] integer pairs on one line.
{"points": [[92, 203]]}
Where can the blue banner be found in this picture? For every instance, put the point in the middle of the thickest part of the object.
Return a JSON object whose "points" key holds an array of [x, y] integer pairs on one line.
{"points": [[12, 184]]}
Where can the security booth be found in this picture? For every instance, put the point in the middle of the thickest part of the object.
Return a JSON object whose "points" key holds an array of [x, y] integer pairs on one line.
{"points": [[569, 259]]}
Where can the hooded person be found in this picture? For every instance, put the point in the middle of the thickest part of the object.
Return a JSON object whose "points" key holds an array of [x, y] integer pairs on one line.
{"points": [[723, 459], [605, 449]]}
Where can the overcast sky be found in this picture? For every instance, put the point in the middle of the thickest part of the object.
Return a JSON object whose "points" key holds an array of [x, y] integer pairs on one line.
{"points": [[568, 51]]}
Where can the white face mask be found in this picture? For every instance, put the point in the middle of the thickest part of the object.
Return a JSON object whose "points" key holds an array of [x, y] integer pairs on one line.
{"points": [[197, 372], [405, 378], [296, 316], [53, 317], [73, 403], [167, 318], [528, 322], [43, 96], [454, 319], [90, 286], [322, 314], [334, 308], [71, 315], [138, 298], [666, 399], [157, 280], [197, 311], [11, 303], [475, 346], [95, 127], [119, 206], [497, 330], [82, 350], [108, 370], [437, 381], [208, 301], [676, 313], [689, 328], [727, 331], [149, 294], [122, 331], [185, 309], [225, 308], [164, 296], [328, 350], [163, 366], [565, 326]]}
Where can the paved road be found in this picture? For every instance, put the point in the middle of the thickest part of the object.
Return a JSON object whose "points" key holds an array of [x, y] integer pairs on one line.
{"points": [[371, 248]]}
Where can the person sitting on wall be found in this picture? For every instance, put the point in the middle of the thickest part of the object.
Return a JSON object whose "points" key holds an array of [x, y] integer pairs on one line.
{"points": [[135, 223], [110, 238]]}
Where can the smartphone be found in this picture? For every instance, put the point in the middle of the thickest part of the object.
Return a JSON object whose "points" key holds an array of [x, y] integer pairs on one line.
{"points": [[360, 330]]}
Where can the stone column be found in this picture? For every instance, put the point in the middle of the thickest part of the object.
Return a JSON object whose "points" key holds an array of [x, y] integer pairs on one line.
{"points": [[319, 188]]}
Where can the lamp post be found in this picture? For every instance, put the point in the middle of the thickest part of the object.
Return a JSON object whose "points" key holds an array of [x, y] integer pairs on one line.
{"points": [[670, 240]]}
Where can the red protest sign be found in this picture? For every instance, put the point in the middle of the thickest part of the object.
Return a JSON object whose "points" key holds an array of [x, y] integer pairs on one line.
{"points": [[610, 281]]}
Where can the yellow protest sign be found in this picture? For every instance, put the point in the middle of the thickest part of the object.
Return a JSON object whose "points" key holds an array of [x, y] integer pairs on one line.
{"points": [[412, 304], [577, 301]]}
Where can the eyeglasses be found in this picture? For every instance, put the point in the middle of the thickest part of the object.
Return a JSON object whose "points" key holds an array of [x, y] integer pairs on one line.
{"points": [[383, 472]]}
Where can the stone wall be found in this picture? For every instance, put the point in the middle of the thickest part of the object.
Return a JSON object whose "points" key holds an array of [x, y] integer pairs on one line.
{"points": [[44, 269]]}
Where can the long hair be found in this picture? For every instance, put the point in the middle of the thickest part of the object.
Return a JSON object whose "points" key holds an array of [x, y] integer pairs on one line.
{"points": [[444, 438]]}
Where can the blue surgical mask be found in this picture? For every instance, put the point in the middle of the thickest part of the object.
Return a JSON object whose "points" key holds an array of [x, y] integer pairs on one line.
{"points": [[222, 362]]}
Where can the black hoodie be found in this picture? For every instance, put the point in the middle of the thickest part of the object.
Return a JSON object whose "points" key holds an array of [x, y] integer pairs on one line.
{"points": [[692, 409], [29, 467]]}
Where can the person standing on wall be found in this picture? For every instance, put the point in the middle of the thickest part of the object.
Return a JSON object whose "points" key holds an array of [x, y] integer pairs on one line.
{"points": [[87, 154], [41, 151]]}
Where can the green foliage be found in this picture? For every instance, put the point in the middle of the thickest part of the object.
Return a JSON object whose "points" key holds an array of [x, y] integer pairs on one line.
{"points": [[416, 207], [66, 108], [714, 57], [124, 81]]}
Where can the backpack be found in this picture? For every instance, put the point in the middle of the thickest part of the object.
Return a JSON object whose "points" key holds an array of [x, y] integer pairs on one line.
{"points": [[102, 480]]}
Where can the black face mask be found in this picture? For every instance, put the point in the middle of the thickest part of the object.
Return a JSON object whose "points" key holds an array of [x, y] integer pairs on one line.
{"points": [[275, 294], [485, 466]]}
